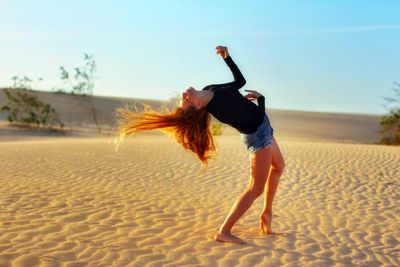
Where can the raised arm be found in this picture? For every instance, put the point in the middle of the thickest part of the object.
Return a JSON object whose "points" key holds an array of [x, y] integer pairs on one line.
{"points": [[239, 80]]}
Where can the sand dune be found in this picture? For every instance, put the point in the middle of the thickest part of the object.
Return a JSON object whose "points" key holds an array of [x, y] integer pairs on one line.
{"points": [[78, 203], [290, 125], [67, 199]]}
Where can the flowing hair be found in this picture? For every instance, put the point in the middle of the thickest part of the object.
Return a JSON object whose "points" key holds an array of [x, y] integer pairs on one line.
{"points": [[190, 127]]}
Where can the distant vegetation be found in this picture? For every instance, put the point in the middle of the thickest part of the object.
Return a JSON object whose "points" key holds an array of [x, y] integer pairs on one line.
{"points": [[390, 123], [22, 82], [217, 128], [82, 83], [25, 108]]}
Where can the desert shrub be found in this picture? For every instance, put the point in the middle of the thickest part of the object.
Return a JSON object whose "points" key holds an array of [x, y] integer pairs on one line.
{"points": [[390, 123], [82, 84], [217, 128], [390, 128], [22, 82], [25, 108]]}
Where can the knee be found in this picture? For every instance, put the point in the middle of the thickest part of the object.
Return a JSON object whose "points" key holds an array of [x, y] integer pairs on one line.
{"points": [[279, 169], [256, 190]]}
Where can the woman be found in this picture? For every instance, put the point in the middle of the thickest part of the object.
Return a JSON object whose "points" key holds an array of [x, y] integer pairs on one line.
{"points": [[189, 124]]}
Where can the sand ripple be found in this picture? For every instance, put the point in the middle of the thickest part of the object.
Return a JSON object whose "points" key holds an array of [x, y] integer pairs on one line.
{"points": [[77, 203]]}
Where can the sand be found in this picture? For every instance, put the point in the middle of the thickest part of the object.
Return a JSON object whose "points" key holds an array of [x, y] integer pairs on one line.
{"points": [[75, 202]]}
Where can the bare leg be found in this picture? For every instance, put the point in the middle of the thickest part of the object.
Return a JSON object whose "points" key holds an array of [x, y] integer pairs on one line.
{"points": [[260, 163], [278, 166]]}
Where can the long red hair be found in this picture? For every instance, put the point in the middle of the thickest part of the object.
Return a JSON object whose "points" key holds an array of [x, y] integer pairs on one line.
{"points": [[190, 127]]}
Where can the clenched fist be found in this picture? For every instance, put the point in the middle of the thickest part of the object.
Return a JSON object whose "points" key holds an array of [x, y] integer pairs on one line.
{"points": [[222, 50]]}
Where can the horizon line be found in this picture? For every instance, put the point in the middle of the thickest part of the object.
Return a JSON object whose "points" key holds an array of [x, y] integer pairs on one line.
{"points": [[171, 99]]}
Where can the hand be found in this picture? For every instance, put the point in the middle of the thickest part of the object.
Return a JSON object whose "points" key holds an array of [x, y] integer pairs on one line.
{"points": [[252, 95], [222, 50]]}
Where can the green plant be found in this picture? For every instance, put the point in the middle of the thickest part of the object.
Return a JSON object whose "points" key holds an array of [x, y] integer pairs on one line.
{"points": [[25, 108], [390, 123], [82, 82], [216, 128], [390, 128], [21, 82]]}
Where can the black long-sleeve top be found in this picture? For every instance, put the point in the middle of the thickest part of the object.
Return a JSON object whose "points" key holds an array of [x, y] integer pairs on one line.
{"points": [[229, 106]]}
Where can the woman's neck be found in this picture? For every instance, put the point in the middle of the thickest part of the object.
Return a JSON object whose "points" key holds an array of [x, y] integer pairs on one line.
{"points": [[204, 97]]}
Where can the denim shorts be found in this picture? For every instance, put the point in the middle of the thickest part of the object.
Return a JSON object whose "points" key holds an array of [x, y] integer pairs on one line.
{"points": [[261, 138]]}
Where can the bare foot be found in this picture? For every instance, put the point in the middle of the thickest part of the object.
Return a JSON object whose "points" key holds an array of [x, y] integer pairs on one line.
{"points": [[265, 223], [229, 238]]}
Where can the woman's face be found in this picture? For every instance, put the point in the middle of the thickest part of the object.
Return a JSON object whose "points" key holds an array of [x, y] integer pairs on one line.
{"points": [[189, 97]]}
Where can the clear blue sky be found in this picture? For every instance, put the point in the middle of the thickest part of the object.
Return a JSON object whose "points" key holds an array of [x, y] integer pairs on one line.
{"points": [[335, 56]]}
